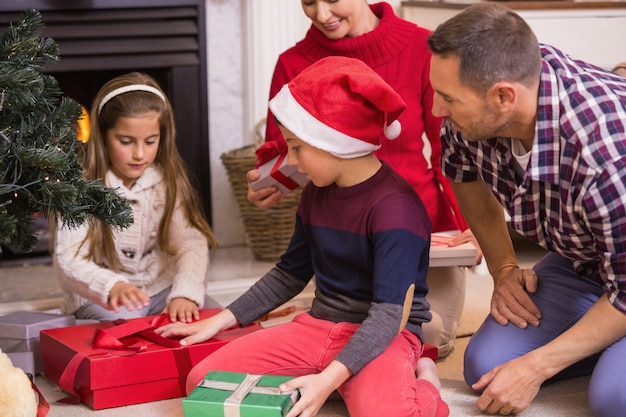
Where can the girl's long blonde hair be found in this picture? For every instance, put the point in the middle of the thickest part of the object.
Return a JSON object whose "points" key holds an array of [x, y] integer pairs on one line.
{"points": [[178, 186]]}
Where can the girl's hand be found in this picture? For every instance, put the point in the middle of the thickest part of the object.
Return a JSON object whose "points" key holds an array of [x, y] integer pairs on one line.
{"points": [[200, 330], [127, 295], [315, 389], [182, 309]]}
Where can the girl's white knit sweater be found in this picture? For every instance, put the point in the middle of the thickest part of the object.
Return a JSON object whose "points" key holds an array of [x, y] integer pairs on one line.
{"points": [[144, 263]]}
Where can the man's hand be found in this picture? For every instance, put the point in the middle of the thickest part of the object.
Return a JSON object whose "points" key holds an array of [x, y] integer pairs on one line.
{"points": [[510, 301], [264, 198], [127, 295], [509, 388], [182, 309]]}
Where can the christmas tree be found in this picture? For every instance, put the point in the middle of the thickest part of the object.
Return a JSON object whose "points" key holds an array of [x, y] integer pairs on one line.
{"points": [[40, 171]]}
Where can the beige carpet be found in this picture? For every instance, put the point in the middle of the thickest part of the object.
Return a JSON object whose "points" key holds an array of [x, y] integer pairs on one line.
{"points": [[566, 398], [562, 399]]}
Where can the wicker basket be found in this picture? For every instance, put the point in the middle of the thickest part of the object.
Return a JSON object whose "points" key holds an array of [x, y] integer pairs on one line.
{"points": [[268, 231]]}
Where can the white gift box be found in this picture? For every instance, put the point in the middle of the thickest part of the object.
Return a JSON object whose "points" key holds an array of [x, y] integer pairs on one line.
{"points": [[276, 173], [443, 255]]}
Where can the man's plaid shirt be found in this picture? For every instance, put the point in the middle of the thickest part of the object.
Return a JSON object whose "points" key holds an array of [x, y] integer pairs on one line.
{"points": [[572, 197]]}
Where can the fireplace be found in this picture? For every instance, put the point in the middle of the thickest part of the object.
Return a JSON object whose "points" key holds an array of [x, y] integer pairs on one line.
{"points": [[100, 39]]}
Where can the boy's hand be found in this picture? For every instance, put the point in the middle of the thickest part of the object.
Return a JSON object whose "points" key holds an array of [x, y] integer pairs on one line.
{"points": [[182, 309], [200, 330], [315, 389], [264, 198], [127, 295]]}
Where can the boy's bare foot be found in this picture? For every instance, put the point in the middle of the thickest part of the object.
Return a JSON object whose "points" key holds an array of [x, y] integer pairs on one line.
{"points": [[427, 369]]}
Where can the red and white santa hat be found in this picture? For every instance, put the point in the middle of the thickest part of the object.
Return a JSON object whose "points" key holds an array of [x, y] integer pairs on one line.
{"points": [[339, 105]]}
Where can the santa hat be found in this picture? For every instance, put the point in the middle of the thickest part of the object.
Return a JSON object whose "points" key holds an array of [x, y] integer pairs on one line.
{"points": [[339, 105]]}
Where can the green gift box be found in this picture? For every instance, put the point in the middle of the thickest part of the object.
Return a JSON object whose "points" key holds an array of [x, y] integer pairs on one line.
{"points": [[234, 394]]}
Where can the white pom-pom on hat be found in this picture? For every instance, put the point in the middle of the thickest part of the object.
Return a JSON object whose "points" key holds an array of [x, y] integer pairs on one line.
{"points": [[393, 130]]}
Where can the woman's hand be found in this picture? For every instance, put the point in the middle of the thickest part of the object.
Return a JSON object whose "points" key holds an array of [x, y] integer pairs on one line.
{"points": [[182, 309], [465, 237], [127, 295], [200, 330], [264, 198]]}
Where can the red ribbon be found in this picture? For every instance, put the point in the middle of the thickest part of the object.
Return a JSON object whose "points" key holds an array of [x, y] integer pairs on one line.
{"points": [[270, 150], [280, 177], [42, 405], [110, 338], [105, 340]]}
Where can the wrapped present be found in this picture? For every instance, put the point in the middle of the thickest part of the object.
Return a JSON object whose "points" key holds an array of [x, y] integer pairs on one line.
{"points": [[27, 324], [276, 173], [19, 332], [443, 255], [25, 351], [124, 362], [226, 394], [25, 361], [19, 345]]}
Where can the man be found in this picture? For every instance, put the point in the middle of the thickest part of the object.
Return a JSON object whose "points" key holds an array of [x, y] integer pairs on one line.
{"points": [[534, 131]]}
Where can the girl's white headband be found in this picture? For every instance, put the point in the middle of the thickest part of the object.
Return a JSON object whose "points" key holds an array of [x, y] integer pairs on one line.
{"points": [[129, 88]]}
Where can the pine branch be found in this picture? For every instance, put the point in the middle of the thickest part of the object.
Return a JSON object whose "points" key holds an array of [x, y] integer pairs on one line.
{"points": [[39, 166]]}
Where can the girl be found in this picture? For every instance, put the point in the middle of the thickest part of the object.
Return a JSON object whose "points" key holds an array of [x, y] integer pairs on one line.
{"points": [[160, 262]]}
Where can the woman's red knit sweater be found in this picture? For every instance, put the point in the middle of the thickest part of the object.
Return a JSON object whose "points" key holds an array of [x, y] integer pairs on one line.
{"points": [[397, 50]]}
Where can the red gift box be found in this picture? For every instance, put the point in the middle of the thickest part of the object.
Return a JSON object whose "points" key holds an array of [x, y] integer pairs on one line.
{"points": [[136, 368]]}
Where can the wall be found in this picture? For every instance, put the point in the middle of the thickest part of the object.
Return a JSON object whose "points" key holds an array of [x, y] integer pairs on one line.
{"points": [[584, 30], [244, 40], [226, 104]]}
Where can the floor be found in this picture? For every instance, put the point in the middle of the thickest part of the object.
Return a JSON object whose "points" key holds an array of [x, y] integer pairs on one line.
{"points": [[27, 282]]}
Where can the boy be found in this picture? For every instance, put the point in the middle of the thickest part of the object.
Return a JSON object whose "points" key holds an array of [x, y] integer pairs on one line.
{"points": [[363, 232]]}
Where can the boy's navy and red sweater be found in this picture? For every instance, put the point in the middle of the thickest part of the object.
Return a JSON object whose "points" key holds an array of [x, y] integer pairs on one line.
{"points": [[365, 245]]}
